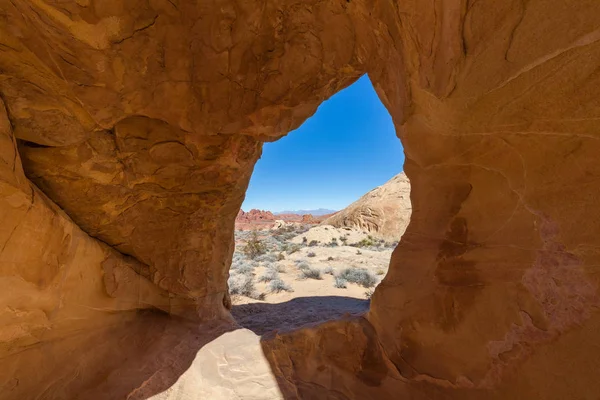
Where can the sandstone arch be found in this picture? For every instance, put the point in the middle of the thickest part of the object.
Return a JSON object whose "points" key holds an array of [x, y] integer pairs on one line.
{"points": [[141, 121]]}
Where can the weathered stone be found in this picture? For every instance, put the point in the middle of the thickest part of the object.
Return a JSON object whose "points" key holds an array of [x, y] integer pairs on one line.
{"points": [[384, 211], [140, 123]]}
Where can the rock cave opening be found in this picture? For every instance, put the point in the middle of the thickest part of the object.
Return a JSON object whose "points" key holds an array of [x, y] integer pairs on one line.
{"points": [[325, 207], [144, 121]]}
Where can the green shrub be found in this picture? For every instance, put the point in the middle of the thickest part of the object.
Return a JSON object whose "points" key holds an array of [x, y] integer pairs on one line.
{"points": [[367, 242], [254, 247]]}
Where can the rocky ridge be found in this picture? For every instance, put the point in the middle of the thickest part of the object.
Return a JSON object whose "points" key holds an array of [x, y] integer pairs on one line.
{"points": [[384, 211]]}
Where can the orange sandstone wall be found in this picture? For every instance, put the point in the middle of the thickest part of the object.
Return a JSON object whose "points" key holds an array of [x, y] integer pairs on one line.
{"points": [[138, 124]]}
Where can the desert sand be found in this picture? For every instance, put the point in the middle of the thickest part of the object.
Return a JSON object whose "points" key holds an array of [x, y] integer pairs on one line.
{"points": [[311, 300]]}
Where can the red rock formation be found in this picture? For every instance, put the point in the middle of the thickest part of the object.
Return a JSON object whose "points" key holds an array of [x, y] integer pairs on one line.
{"points": [[255, 215], [308, 219], [139, 124], [259, 219], [254, 219]]}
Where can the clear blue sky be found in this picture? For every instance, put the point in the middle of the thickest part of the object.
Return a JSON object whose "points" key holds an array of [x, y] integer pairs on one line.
{"points": [[346, 149]]}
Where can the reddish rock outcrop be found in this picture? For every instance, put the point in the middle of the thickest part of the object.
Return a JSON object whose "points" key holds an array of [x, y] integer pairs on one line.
{"points": [[139, 124], [255, 215], [260, 219], [254, 219]]}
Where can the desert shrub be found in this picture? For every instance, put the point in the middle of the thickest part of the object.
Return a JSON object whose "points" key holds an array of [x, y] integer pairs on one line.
{"points": [[237, 257], [277, 267], [330, 258], [293, 248], [366, 242], [269, 275], [280, 257], [290, 231], [254, 246], [304, 239], [301, 264], [313, 243], [243, 267], [310, 273], [369, 294], [268, 257], [242, 285], [241, 235], [277, 285], [328, 270], [340, 283], [311, 254], [380, 271], [358, 252], [359, 276], [344, 239]]}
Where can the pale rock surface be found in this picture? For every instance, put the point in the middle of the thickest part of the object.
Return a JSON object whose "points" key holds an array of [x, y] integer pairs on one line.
{"points": [[384, 212], [325, 234], [231, 367], [279, 224]]}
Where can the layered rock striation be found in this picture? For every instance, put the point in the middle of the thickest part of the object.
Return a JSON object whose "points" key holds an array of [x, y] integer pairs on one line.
{"points": [[384, 211], [129, 131]]}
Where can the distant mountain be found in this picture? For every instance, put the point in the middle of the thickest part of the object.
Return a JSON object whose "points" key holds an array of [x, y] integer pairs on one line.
{"points": [[384, 211], [317, 212]]}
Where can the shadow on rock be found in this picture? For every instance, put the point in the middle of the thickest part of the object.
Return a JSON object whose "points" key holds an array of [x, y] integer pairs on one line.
{"points": [[262, 318], [137, 356]]}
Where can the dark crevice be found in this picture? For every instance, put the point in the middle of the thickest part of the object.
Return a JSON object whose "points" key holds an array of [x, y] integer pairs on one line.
{"points": [[32, 145]]}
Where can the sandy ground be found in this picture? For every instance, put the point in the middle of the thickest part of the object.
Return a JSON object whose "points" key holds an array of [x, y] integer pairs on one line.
{"points": [[312, 300]]}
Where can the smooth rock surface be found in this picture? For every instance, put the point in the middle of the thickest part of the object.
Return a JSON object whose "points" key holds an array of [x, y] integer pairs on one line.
{"points": [[140, 122], [384, 211]]}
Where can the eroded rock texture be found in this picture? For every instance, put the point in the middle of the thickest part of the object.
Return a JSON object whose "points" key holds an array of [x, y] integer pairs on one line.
{"points": [[384, 211], [139, 123]]}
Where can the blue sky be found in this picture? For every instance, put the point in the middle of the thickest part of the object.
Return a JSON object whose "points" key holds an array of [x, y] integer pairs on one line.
{"points": [[348, 147]]}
